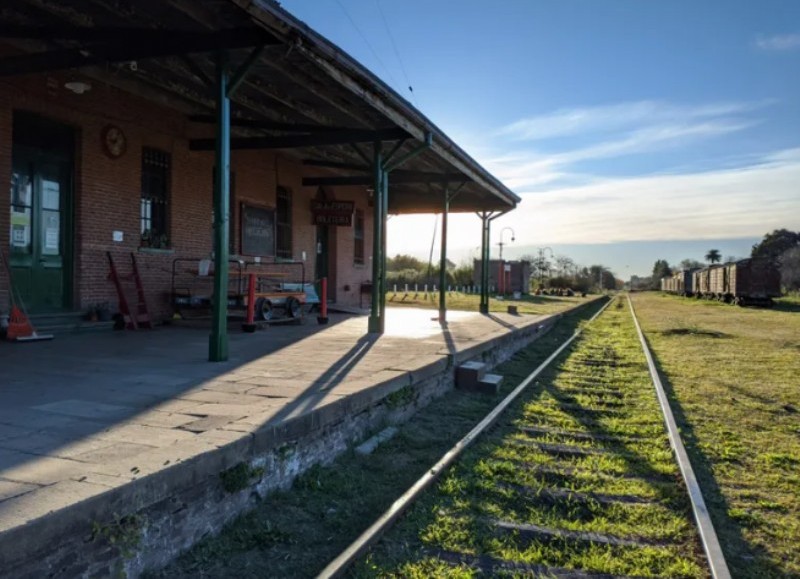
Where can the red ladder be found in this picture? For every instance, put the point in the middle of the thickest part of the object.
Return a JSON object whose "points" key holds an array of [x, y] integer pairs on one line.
{"points": [[142, 317]]}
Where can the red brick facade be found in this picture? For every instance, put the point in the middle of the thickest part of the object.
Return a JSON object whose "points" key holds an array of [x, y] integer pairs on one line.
{"points": [[107, 192]]}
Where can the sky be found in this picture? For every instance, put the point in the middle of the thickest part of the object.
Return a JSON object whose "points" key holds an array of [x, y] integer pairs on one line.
{"points": [[632, 131]]}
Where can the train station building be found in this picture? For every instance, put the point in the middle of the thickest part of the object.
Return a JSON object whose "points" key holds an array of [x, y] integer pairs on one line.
{"points": [[204, 140], [114, 118]]}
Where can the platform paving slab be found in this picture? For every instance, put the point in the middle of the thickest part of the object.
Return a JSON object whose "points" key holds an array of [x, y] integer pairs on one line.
{"points": [[136, 414]]}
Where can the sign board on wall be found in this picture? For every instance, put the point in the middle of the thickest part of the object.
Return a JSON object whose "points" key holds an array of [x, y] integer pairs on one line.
{"points": [[330, 212], [257, 230]]}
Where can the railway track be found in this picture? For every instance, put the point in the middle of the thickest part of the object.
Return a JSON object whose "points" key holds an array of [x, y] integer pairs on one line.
{"points": [[573, 474]]}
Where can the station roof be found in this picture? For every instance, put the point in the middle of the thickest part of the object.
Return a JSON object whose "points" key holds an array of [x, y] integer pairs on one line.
{"points": [[302, 94]]}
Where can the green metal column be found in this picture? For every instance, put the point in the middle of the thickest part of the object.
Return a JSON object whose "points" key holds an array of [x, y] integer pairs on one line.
{"points": [[484, 307], [218, 341], [378, 258], [443, 260], [384, 221]]}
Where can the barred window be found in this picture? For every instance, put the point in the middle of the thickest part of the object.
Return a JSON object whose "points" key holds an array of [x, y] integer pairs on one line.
{"points": [[283, 223], [358, 234], [154, 204]]}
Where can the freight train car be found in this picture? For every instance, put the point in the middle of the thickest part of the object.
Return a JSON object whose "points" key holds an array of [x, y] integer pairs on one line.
{"points": [[750, 282], [701, 282], [744, 282], [680, 283]]}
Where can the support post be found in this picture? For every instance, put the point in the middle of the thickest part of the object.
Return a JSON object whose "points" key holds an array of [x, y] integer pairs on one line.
{"points": [[384, 221], [443, 261], [381, 168], [322, 318], [484, 306], [373, 323], [218, 341], [249, 325]]}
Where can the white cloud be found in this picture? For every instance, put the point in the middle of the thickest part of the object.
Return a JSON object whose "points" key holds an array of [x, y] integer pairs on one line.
{"points": [[740, 202], [617, 117], [778, 42], [744, 201], [536, 169]]}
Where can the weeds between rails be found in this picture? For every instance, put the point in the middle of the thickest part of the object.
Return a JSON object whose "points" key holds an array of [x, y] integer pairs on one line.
{"points": [[577, 479]]}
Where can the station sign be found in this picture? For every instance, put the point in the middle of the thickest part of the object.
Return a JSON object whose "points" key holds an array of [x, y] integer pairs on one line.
{"points": [[330, 212]]}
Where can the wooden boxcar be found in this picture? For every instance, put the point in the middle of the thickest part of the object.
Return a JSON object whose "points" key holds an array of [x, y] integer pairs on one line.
{"points": [[680, 283], [701, 282], [751, 282]]}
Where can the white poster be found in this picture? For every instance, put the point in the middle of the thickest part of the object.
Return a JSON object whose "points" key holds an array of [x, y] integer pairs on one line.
{"points": [[19, 235], [51, 240]]}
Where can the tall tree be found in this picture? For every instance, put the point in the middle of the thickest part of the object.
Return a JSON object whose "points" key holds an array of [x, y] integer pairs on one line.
{"points": [[713, 256], [775, 244], [661, 269]]}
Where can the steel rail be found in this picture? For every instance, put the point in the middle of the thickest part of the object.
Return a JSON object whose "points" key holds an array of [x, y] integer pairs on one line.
{"points": [[338, 566], [708, 536]]}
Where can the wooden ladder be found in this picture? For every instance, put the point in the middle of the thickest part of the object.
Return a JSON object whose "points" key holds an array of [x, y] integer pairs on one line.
{"points": [[141, 319]]}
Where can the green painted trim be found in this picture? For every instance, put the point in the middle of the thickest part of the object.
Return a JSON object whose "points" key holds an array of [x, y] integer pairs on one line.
{"points": [[218, 340]]}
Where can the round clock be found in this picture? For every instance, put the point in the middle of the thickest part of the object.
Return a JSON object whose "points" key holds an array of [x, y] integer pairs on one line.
{"points": [[114, 142]]}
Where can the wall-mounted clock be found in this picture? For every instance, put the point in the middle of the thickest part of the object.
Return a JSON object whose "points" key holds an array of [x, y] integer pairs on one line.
{"points": [[114, 141]]}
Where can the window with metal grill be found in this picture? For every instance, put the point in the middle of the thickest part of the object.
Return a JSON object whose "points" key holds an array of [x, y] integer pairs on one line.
{"points": [[283, 223], [154, 204], [358, 234]]}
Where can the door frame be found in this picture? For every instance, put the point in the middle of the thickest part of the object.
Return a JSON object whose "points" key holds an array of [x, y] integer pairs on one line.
{"points": [[43, 139]]}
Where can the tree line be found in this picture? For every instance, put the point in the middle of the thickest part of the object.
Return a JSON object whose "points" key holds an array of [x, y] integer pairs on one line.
{"points": [[560, 272]]}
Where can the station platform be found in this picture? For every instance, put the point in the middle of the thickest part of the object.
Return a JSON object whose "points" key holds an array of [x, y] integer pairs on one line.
{"points": [[115, 447]]}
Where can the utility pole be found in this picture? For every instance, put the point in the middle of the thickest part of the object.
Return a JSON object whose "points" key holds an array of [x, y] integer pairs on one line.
{"points": [[541, 263]]}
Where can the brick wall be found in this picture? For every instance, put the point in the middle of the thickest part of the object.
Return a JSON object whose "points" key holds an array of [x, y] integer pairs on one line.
{"points": [[107, 191]]}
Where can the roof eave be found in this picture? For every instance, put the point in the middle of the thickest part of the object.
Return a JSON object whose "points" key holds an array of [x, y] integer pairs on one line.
{"points": [[352, 75]]}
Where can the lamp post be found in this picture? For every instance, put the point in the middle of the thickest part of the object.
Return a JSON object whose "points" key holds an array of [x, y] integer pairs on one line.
{"points": [[502, 277], [541, 263]]}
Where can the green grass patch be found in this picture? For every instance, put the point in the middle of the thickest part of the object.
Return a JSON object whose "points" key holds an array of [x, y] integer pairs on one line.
{"points": [[508, 476], [736, 401], [527, 304]]}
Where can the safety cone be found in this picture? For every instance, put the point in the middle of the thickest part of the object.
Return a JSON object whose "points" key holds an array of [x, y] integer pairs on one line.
{"points": [[20, 328], [18, 325]]}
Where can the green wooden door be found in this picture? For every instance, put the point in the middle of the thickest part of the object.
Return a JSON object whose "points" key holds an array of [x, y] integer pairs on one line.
{"points": [[40, 244]]}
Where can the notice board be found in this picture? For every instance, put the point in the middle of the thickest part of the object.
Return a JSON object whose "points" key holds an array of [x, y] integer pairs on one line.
{"points": [[257, 230]]}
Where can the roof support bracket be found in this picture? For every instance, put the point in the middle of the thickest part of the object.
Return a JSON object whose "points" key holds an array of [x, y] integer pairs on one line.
{"points": [[239, 76], [426, 144]]}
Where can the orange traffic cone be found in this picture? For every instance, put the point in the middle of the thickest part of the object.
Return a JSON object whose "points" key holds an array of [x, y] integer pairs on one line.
{"points": [[18, 325]]}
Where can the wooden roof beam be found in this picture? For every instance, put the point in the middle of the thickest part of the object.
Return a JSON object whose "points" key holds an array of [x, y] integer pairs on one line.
{"points": [[299, 141], [397, 177], [128, 46]]}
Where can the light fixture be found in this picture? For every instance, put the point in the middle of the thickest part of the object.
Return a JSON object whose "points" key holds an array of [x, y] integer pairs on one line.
{"points": [[77, 86]]}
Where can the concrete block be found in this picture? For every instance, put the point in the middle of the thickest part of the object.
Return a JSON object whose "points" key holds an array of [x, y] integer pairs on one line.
{"points": [[469, 374], [490, 384]]}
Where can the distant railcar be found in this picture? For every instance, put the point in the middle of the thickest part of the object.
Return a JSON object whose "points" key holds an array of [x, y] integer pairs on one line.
{"points": [[680, 283], [701, 282], [751, 282], [744, 282]]}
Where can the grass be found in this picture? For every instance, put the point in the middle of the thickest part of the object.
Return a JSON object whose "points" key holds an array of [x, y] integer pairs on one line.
{"points": [[527, 304], [600, 393], [733, 375], [297, 532]]}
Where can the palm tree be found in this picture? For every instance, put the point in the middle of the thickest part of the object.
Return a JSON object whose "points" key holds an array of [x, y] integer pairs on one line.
{"points": [[713, 255]]}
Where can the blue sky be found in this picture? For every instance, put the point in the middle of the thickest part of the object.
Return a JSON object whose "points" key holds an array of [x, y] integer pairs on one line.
{"points": [[626, 126]]}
